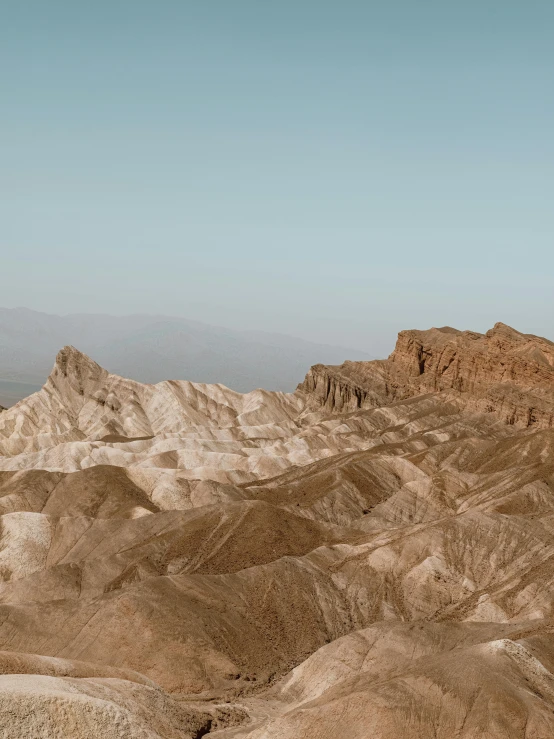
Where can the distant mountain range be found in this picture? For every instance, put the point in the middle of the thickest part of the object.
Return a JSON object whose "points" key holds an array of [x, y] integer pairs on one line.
{"points": [[155, 348]]}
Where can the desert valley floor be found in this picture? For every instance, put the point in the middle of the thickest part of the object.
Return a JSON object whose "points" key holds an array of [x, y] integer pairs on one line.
{"points": [[370, 557]]}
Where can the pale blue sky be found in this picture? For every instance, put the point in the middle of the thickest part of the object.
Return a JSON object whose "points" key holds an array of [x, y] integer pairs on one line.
{"points": [[332, 170]]}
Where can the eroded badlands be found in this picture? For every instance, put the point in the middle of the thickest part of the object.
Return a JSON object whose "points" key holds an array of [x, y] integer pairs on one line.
{"points": [[371, 556]]}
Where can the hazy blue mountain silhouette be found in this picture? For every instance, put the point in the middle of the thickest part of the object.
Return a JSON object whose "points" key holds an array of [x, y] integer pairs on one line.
{"points": [[155, 348]]}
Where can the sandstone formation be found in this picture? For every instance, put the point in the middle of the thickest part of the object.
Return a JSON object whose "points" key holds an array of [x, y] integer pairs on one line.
{"points": [[502, 372], [370, 556]]}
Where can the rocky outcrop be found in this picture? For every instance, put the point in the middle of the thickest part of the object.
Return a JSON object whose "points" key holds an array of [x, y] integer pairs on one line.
{"points": [[348, 387], [503, 372], [365, 557]]}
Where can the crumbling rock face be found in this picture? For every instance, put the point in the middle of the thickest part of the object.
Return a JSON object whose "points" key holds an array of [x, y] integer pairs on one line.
{"points": [[351, 386], [502, 372], [372, 555]]}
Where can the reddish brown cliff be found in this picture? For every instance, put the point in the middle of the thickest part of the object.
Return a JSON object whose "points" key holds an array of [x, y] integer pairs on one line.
{"points": [[503, 371]]}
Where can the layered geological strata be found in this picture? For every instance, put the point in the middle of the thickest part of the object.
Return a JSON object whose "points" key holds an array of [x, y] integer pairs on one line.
{"points": [[370, 556], [502, 372]]}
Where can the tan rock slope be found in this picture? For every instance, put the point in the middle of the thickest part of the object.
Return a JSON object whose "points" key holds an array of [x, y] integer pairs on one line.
{"points": [[371, 556]]}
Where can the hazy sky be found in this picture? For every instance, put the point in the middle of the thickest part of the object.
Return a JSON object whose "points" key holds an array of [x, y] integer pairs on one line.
{"points": [[332, 170]]}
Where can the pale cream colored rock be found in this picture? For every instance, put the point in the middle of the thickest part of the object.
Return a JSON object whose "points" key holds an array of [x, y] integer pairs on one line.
{"points": [[371, 556]]}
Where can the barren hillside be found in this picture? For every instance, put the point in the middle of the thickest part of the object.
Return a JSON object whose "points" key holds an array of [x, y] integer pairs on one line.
{"points": [[371, 556]]}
